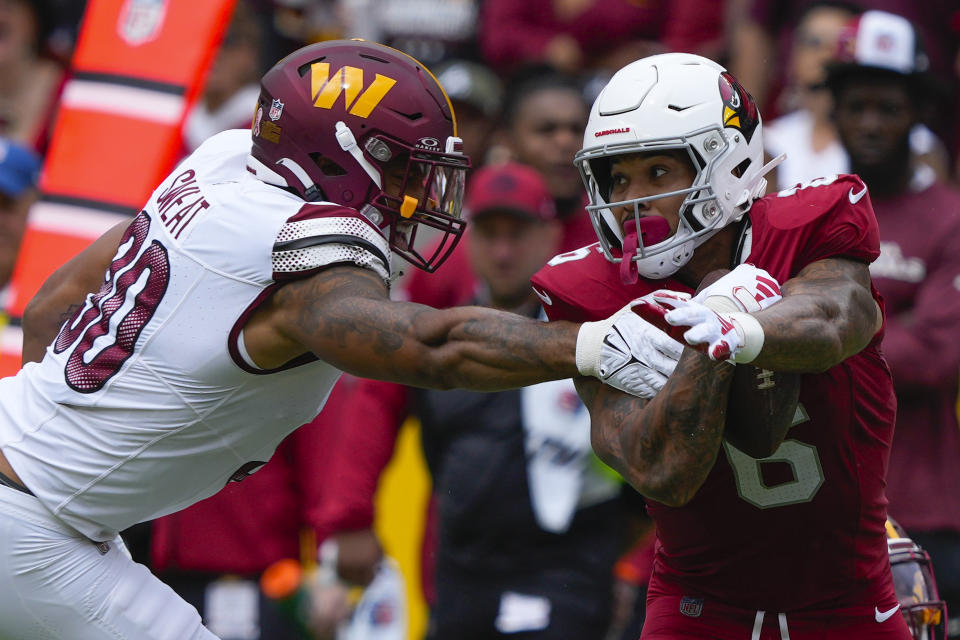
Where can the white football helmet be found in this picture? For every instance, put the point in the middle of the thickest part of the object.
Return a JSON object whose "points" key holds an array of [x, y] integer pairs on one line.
{"points": [[674, 101]]}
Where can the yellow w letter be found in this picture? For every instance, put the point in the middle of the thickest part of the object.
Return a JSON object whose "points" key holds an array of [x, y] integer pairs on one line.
{"points": [[349, 80]]}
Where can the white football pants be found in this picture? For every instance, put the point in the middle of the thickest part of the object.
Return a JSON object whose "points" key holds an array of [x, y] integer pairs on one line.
{"points": [[55, 584]]}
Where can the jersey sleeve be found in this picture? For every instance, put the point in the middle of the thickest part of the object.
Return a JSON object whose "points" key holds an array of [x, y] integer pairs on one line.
{"points": [[320, 235], [834, 216], [563, 288], [581, 286]]}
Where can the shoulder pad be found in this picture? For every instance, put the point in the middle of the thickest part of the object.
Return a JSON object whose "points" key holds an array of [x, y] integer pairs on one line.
{"points": [[802, 204], [323, 234]]}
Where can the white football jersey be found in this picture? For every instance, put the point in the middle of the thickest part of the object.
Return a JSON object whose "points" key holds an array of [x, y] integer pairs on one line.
{"points": [[146, 401]]}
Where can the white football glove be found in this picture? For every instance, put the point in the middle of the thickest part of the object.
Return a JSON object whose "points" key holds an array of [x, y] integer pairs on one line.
{"points": [[746, 288], [736, 337], [627, 352]]}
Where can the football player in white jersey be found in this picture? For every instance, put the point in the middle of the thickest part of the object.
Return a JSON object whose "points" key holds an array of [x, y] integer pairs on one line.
{"points": [[221, 316]]}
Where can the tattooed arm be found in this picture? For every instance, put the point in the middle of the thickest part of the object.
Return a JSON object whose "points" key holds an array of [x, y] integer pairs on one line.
{"points": [[665, 447], [65, 290], [827, 314], [345, 317]]}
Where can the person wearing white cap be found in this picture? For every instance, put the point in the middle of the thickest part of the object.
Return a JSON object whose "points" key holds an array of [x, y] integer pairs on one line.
{"points": [[806, 133], [880, 86]]}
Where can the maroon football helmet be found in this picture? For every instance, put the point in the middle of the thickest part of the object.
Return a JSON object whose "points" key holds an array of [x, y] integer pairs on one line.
{"points": [[368, 127], [913, 580]]}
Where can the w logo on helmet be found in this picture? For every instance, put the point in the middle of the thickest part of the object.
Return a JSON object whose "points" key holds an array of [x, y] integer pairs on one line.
{"points": [[360, 101]]}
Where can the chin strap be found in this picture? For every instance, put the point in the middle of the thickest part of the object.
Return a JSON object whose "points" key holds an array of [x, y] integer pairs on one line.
{"points": [[310, 189], [764, 170], [265, 174]]}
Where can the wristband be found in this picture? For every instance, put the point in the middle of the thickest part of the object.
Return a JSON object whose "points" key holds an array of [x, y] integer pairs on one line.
{"points": [[752, 334], [589, 343], [721, 304]]}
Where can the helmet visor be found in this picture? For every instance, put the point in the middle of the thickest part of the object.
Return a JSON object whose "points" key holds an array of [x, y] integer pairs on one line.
{"points": [[916, 589], [430, 198]]}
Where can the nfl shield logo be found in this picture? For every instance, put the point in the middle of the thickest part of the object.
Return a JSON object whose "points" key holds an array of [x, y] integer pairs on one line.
{"points": [[691, 607], [141, 21], [276, 110]]}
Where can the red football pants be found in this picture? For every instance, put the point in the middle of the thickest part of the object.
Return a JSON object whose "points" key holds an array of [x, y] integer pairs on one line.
{"points": [[676, 618]]}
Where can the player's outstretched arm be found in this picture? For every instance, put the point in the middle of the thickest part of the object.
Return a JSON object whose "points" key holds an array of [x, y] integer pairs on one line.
{"points": [[664, 447], [345, 317], [64, 289], [827, 314]]}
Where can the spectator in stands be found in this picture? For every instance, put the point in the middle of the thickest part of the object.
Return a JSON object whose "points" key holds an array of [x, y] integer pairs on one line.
{"points": [[19, 171], [233, 83], [761, 32], [543, 119], [573, 36], [528, 527], [879, 87], [477, 96], [30, 78], [806, 134]]}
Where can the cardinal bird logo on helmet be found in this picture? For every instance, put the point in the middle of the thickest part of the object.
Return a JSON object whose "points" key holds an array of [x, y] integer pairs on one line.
{"points": [[739, 109]]}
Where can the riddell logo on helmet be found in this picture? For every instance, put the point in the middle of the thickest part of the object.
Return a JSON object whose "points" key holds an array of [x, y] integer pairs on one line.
{"points": [[348, 80], [608, 132]]}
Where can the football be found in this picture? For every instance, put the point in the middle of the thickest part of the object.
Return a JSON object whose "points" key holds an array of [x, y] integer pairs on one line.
{"points": [[760, 408], [761, 403]]}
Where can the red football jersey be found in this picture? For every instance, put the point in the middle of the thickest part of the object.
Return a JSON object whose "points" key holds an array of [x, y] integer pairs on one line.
{"points": [[802, 529]]}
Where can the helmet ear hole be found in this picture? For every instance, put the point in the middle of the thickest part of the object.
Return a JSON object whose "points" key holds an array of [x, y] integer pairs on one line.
{"points": [[741, 168], [327, 166], [600, 168]]}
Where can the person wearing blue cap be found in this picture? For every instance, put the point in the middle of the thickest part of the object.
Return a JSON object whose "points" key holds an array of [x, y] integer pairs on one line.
{"points": [[19, 171]]}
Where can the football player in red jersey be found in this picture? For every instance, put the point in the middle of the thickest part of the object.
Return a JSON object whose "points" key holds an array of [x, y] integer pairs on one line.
{"points": [[785, 539]]}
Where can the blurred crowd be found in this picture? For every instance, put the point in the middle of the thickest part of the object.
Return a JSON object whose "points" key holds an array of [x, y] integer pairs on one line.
{"points": [[521, 77], [776, 48]]}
